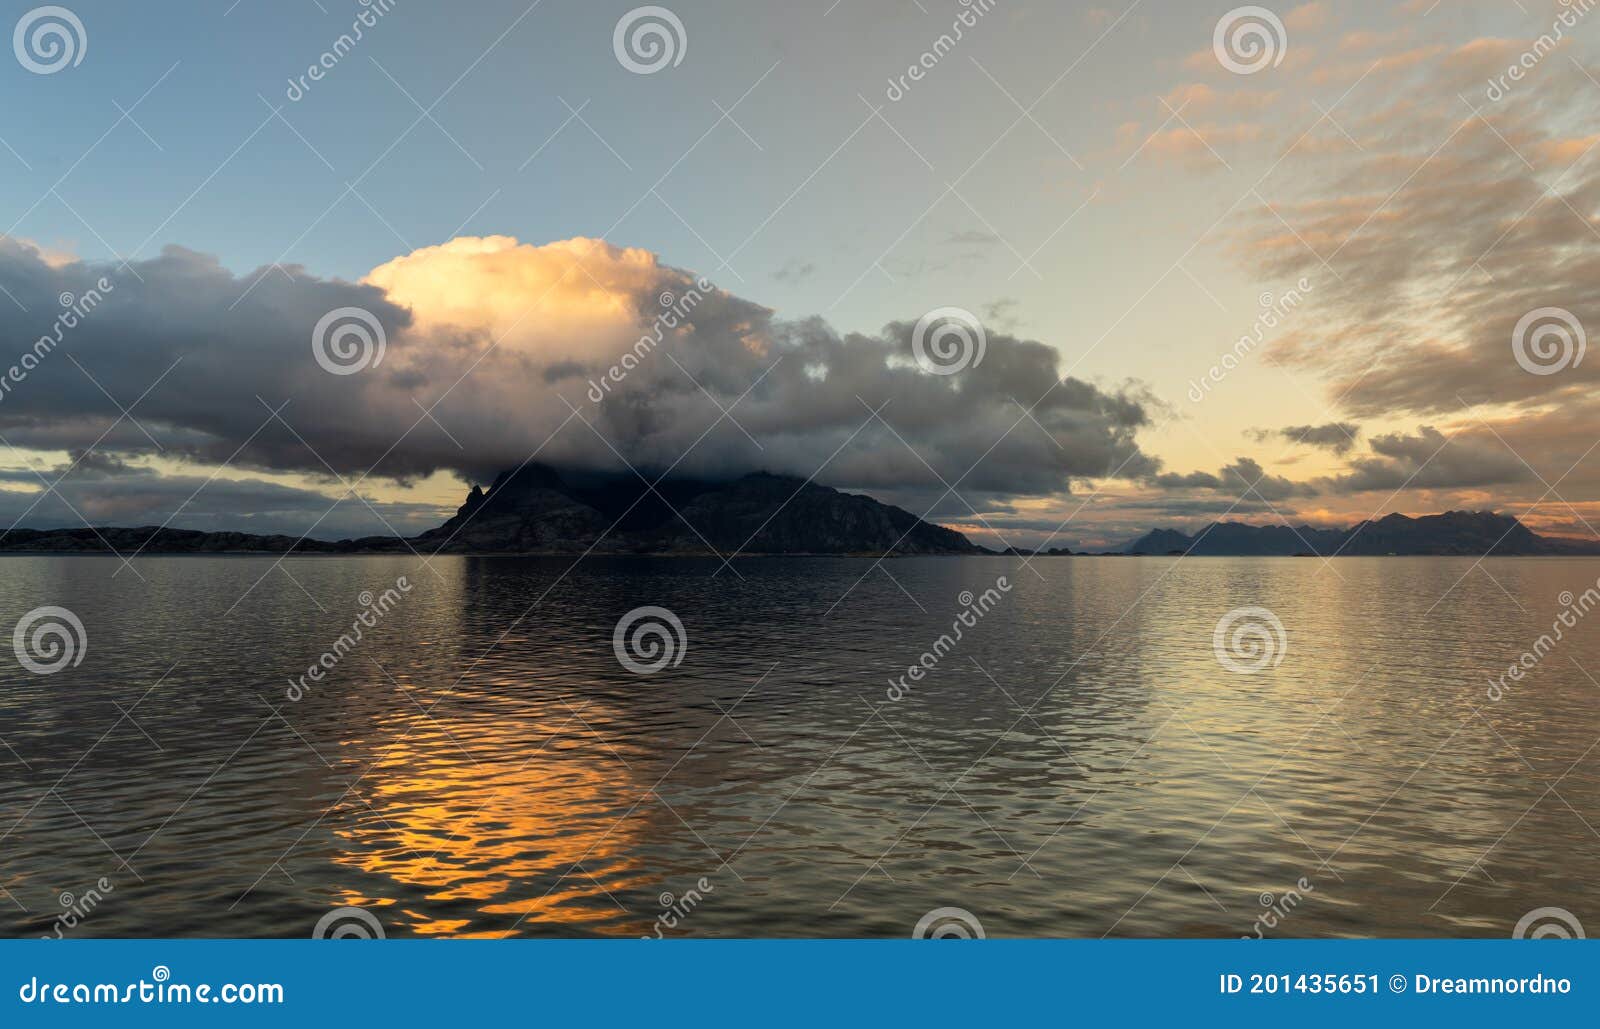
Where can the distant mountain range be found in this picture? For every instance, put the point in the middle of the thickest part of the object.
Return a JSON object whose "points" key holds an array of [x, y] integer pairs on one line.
{"points": [[534, 510], [1473, 533]]}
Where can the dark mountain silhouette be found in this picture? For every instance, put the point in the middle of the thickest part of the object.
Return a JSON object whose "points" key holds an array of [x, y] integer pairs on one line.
{"points": [[534, 510], [1473, 533]]}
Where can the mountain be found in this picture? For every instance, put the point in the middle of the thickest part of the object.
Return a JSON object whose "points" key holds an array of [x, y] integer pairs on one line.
{"points": [[534, 510], [771, 514], [530, 510], [153, 540], [1471, 533]]}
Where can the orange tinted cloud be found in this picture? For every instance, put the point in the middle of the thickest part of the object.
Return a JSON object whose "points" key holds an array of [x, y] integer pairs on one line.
{"points": [[575, 294], [1306, 18]]}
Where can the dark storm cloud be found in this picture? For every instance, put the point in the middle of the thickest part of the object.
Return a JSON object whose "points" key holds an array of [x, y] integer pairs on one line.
{"points": [[218, 354]]}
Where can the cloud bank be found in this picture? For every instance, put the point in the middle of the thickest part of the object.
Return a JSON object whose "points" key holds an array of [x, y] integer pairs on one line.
{"points": [[491, 350]]}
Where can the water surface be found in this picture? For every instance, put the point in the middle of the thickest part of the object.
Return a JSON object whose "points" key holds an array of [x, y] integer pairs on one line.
{"points": [[1078, 764]]}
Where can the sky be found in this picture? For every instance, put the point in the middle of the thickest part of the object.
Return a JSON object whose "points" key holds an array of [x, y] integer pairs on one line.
{"points": [[1307, 262]]}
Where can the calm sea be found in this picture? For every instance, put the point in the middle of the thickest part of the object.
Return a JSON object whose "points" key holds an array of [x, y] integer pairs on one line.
{"points": [[1087, 758]]}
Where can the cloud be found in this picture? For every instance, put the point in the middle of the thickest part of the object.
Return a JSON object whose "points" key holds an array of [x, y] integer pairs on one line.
{"points": [[504, 343], [1004, 313], [1440, 205], [1339, 437], [1441, 234], [1244, 477], [1428, 459], [795, 270], [1198, 146], [105, 492], [1193, 98], [1425, 461], [1306, 17]]}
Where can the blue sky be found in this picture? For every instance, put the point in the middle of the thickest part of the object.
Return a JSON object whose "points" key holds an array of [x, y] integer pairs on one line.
{"points": [[813, 67]]}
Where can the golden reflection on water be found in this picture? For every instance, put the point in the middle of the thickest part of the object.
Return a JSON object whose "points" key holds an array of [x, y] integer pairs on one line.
{"points": [[503, 816]]}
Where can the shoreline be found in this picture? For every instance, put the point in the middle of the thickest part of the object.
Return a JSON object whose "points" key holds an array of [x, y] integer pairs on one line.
{"points": [[856, 556]]}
